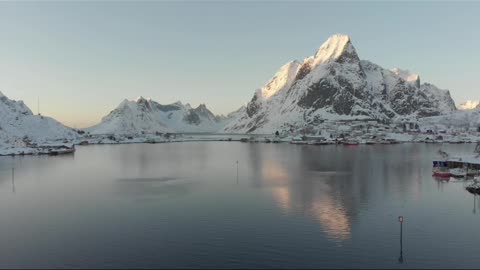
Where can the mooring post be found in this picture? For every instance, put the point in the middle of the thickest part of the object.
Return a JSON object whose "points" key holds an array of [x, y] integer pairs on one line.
{"points": [[400, 219], [13, 179], [237, 171]]}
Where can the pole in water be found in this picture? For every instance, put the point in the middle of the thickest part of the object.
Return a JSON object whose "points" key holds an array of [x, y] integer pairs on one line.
{"points": [[474, 204], [400, 219], [13, 180], [237, 171]]}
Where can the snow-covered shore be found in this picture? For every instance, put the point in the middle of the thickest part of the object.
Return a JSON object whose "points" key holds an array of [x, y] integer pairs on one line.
{"points": [[52, 147]]}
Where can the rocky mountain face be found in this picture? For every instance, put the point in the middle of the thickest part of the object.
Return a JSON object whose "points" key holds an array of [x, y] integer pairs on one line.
{"points": [[17, 123], [335, 84], [148, 116]]}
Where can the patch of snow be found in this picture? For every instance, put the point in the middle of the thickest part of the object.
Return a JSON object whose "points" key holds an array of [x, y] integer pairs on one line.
{"points": [[469, 105]]}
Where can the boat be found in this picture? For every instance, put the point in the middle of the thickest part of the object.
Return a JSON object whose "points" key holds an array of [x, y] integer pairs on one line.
{"points": [[320, 142], [374, 141], [473, 172], [60, 151], [351, 142], [440, 169], [392, 141], [151, 140], [458, 172], [298, 142], [474, 187]]}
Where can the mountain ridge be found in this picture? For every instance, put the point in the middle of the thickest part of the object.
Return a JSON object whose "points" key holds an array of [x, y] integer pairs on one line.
{"points": [[146, 116]]}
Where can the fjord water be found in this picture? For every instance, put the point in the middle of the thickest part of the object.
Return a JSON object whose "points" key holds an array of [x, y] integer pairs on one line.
{"points": [[182, 205]]}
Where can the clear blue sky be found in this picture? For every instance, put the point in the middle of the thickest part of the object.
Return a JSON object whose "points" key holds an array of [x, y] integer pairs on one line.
{"points": [[83, 58]]}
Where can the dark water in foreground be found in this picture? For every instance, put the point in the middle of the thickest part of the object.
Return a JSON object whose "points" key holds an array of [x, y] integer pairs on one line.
{"points": [[181, 205]]}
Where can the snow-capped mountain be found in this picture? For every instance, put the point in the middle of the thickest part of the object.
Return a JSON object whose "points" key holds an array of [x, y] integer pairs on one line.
{"points": [[17, 123], [469, 105], [145, 115], [335, 84]]}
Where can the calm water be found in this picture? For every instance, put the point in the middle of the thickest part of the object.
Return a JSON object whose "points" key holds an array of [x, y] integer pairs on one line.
{"points": [[182, 205]]}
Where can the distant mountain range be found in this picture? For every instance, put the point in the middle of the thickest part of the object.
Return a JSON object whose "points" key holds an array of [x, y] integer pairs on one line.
{"points": [[146, 115], [335, 84]]}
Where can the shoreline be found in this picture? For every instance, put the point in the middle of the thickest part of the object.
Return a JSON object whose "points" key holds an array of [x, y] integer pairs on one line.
{"points": [[69, 148]]}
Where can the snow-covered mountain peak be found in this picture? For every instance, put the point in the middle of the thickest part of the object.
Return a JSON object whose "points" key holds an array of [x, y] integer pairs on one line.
{"points": [[202, 107], [407, 76], [141, 99], [469, 105], [178, 103], [335, 84], [146, 115], [18, 122], [9, 107], [337, 48], [282, 79]]}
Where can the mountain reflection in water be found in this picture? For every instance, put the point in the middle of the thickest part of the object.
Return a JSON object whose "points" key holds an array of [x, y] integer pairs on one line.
{"points": [[183, 205]]}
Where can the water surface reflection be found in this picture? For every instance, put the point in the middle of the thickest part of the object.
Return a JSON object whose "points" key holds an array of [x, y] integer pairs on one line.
{"points": [[185, 205]]}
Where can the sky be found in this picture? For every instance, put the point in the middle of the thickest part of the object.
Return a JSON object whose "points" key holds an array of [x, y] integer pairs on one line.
{"points": [[81, 59]]}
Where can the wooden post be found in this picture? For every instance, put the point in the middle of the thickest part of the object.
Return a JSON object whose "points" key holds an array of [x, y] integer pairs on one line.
{"points": [[400, 219], [237, 171], [13, 180]]}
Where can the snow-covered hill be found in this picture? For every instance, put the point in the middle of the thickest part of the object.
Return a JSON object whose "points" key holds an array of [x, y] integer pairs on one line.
{"points": [[336, 84], [469, 105], [17, 123], [469, 119], [145, 115]]}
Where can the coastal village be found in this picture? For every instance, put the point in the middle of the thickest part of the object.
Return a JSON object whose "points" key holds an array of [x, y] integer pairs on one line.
{"points": [[354, 132]]}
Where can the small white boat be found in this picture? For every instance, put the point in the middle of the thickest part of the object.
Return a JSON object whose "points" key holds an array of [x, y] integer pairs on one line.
{"points": [[298, 142], [473, 172], [458, 172]]}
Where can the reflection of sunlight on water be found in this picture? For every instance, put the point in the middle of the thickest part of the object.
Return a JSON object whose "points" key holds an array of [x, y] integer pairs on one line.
{"points": [[321, 207], [274, 173], [277, 176], [282, 196], [332, 217]]}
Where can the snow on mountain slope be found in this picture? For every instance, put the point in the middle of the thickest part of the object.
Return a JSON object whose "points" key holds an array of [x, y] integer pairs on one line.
{"points": [[18, 122], [407, 76], [282, 79], [336, 84], [146, 115], [469, 105], [459, 119]]}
